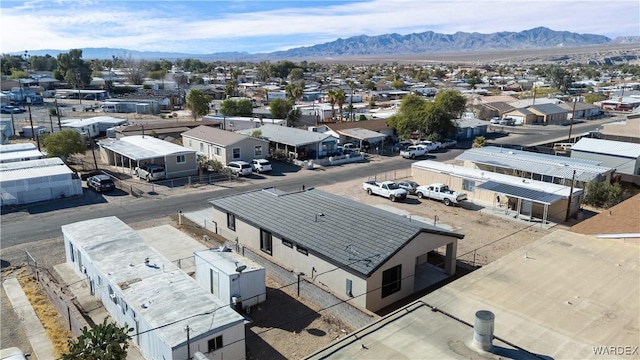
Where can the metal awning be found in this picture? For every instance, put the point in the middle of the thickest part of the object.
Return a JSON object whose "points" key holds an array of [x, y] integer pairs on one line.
{"points": [[521, 192]]}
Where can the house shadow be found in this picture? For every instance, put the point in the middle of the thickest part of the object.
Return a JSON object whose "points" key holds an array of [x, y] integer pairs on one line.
{"points": [[516, 354], [281, 168], [257, 348], [88, 197], [412, 201], [282, 311]]}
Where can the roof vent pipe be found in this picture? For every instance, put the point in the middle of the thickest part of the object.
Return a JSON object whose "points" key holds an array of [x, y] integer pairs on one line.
{"points": [[483, 330]]}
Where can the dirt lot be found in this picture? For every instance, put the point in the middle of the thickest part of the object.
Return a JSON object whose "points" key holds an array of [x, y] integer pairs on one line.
{"points": [[487, 237]]}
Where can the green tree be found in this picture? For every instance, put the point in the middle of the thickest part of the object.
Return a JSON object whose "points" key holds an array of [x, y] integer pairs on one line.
{"points": [[479, 142], [198, 103], [451, 101], [229, 107], [331, 94], [72, 69], [105, 341], [341, 97], [279, 108], [369, 85], [256, 134], [420, 117], [397, 84], [296, 74], [602, 194], [64, 143]]}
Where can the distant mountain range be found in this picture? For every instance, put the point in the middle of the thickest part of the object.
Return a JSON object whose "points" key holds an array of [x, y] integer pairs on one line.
{"points": [[389, 44]]}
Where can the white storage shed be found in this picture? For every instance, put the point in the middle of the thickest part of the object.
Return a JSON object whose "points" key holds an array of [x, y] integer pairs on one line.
{"points": [[37, 180], [231, 277]]}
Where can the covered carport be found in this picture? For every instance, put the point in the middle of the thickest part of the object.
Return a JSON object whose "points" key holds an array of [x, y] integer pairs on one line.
{"points": [[130, 152], [363, 136], [526, 202]]}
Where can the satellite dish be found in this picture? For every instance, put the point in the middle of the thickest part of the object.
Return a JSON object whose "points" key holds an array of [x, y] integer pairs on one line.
{"points": [[241, 268]]}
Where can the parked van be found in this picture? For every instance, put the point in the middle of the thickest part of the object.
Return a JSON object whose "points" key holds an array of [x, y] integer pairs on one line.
{"points": [[150, 172]]}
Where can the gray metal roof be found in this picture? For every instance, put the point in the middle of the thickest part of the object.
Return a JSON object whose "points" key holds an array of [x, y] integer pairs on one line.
{"points": [[549, 165], [169, 295], [607, 147], [217, 136], [547, 109], [521, 192], [138, 147], [362, 134], [348, 231], [289, 136]]}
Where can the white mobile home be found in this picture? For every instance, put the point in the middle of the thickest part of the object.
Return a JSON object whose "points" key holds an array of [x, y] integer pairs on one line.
{"points": [[37, 180], [142, 289], [231, 277]]}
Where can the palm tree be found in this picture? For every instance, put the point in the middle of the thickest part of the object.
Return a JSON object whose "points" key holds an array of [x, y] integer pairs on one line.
{"points": [[332, 100], [352, 85], [340, 97], [479, 142]]}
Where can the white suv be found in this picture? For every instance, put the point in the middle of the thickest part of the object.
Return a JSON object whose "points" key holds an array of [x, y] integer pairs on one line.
{"points": [[150, 172], [261, 165], [240, 168]]}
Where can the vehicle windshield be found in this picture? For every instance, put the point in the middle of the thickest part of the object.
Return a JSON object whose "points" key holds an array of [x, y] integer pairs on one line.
{"points": [[412, 184]]}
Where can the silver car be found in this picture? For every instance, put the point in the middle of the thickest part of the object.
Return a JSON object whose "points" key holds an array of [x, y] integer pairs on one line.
{"points": [[410, 186]]}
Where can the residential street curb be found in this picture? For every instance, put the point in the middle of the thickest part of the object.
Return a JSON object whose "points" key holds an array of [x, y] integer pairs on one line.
{"points": [[40, 343]]}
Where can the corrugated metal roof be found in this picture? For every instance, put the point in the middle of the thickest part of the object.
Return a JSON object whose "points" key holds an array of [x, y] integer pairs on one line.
{"points": [[607, 147], [547, 109], [347, 232], [287, 135], [140, 147], [31, 164], [548, 165], [168, 293], [16, 147], [218, 137], [33, 172], [17, 155], [485, 176], [521, 192], [362, 134]]}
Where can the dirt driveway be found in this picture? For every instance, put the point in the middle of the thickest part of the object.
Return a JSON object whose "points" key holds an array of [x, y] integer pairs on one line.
{"points": [[487, 237]]}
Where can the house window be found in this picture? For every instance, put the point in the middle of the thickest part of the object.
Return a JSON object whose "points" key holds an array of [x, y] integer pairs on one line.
{"points": [[181, 159], [468, 185], [231, 221], [236, 153], [258, 151], [302, 250], [190, 144], [215, 343], [287, 243], [349, 288], [202, 147], [218, 151], [265, 242], [73, 258], [391, 280]]}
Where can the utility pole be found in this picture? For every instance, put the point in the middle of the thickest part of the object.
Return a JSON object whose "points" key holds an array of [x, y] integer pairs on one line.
{"points": [[573, 114], [33, 136], [188, 341], [573, 178], [58, 114]]}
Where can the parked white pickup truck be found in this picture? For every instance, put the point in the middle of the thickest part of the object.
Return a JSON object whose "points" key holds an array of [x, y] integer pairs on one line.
{"points": [[440, 192], [414, 151], [388, 189]]}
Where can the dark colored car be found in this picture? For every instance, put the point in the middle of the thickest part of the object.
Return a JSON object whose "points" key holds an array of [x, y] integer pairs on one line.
{"points": [[101, 183]]}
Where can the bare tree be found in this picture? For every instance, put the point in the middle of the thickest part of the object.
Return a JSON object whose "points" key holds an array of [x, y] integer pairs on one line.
{"points": [[134, 70]]}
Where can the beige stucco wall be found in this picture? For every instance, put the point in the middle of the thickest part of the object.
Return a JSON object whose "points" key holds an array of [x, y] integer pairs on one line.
{"points": [[406, 257], [331, 277], [556, 211]]}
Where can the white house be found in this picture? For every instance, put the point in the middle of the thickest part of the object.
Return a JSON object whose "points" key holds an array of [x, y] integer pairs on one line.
{"points": [[366, 255], [622, 156], [146, 292]]}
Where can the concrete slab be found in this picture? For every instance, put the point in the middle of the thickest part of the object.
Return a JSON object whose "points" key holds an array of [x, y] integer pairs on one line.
{"points": [[87, 303], [173, 244], [40, 343]]}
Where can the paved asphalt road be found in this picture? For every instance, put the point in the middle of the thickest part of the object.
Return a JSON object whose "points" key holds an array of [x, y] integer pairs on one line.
{"points": [[43, 221]]}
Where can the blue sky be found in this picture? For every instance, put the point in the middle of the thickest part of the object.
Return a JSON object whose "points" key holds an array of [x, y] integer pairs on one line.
{"points": [[201, 27]]}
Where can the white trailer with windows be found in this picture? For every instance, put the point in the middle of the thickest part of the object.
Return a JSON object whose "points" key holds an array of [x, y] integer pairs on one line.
{"points": [[231, 277], [150, 294]]}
